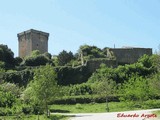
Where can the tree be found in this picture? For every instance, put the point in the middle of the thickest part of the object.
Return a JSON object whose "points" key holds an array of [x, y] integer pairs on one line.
{"points": [[146, 61], [105, 87], [64, 57], [7, 56], [43, 88], [2, 65], [91, 51], [154, 83], [8, 93], [101, 74], [135, 89], [18, 61], [156, 62]]}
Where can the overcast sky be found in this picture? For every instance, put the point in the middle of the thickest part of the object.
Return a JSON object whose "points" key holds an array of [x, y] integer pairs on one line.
{"points": [[72, 23]]}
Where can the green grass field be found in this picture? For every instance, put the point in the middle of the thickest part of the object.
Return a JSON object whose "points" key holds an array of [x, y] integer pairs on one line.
{"points": [[92, 107], [34, 117]]}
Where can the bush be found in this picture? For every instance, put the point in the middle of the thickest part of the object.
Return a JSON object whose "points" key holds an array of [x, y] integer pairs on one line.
{"points": [[17, 109], [18, 77], [68, 75], [80, 89], [151, 104], [7, 56], [135, 89], [5, 111], [37, 109], [85, 99], [7, 99], [37, 61], [64, 57], [27, 109], [2, 112], [12, 88], [78, 106]]}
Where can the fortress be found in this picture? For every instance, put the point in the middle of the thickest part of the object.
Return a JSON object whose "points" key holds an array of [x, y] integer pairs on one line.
{"points": [[32, 40], [37, 40]]}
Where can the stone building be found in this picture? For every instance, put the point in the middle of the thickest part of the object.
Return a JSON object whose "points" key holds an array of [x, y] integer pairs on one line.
{"points": [[129, 55], [32, 40], [122, 56]]}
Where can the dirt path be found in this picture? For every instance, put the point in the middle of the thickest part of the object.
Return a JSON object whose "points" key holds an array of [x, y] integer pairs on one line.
{"points": [[127, 115]]}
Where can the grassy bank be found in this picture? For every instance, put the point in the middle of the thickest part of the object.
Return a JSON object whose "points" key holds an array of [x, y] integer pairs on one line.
{"points": [[92, 107], [101, 107], [33, 117]]}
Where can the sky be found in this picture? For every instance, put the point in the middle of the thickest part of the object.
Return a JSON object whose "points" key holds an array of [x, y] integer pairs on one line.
{"points": [[72, 23]]}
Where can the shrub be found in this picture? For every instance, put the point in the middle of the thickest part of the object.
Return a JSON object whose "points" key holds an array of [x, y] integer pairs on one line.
{"points": [[151, 104], [135, 89], [27, 109], [5, 111], [18, 77], [37, 61], [80, 89], [78, 106], [68, 75], [7, 99], [64, 57], [85, 99], [37, 109], [2, 111]]}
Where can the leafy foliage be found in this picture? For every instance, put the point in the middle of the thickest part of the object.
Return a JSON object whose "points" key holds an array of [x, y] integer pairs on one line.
{"points": [[7, 56], [7, 99], [91, 51], [101, 74], [21, 78], [155, 60], [43, 88], [85, 99], [135, 89], [2, 65], [18, 61], [37, 59], [8, 94], [80, 89], [68, 75], [64, 57], [104, 88], [12, 88], [154, 83]]}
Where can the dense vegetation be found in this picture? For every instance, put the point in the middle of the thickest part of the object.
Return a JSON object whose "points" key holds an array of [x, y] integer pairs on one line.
{"points": [[30, 84]]}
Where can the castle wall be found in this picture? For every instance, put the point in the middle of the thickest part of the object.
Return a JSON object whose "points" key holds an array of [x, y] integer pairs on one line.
{"points": [[129, 55], [94, 64]]}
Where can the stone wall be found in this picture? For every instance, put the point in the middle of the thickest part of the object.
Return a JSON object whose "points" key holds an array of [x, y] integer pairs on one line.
{"points": [[129, 55], [122, 56], [94, 64]]}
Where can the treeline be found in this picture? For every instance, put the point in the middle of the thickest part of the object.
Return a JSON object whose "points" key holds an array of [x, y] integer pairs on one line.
{"points": [[68, 65], [64, 58]]}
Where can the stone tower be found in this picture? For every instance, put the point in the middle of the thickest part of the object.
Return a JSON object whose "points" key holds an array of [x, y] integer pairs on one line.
{"points": [[32, 40]]}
